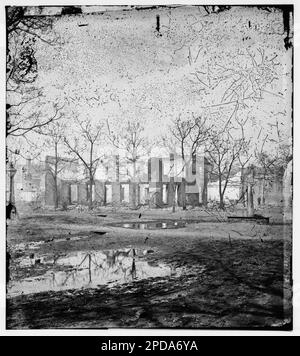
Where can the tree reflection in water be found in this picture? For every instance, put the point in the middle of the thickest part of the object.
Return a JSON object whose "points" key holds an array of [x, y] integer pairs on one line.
{"points": [[89, 270]]}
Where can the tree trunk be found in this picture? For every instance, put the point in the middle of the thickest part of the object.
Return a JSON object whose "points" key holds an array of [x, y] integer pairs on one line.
{"points": [[175, 197], [242, 191], [134, 190], [221, 205], [55, 193], [250, 205], [183, 194], [91, 193], [221, 194], [172, 182], [91, 177], [183, 182], [134, 170]]}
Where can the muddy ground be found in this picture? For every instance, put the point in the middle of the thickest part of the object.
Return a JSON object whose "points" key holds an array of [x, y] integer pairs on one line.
{"points": [[75, 269]]}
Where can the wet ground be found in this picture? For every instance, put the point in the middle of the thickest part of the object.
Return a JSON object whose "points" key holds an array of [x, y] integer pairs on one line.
{"points": [[93, 269], [81, 270]]}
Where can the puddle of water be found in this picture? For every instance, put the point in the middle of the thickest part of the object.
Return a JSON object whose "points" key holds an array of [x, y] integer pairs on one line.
{"points": [[153, 225], [89, 270], [99, 232], [36, 245], [34, 259]]}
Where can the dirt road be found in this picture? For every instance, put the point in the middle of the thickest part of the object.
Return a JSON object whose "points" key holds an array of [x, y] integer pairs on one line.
{"points": [[78, 270]]}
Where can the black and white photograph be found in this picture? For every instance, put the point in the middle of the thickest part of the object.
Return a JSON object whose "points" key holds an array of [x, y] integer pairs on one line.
{"points": [[149, 166]]}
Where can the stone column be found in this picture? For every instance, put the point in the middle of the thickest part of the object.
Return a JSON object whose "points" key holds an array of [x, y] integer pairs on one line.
{"points": [[133, 194], [250, 205], [65, 192], [49, 189], [155, 182], [82, 193], [116, 193]]}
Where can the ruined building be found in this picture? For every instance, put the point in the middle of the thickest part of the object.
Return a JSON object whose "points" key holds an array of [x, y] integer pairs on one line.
{"points": [[29, 182], [156, 182]]}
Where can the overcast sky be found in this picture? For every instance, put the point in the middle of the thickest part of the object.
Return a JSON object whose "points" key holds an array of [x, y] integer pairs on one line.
{"points": [[115, 66]]}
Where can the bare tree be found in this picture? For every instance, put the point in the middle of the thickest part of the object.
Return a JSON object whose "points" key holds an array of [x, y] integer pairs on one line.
{"points": [[25, 101], [245, 155], [53, 135], [272, 164], [238, 78], [20, 123], [224, 152], [21, 148], [190, 135], [131, 139], [84, 147], [18, 21]]}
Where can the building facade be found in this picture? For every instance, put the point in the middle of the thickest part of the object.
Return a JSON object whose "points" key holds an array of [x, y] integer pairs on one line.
{"points": [[157, 182]]}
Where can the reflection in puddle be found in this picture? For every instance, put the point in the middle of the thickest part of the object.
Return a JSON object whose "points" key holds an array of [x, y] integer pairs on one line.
{"points": [[153, 225], [88, 270]]}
